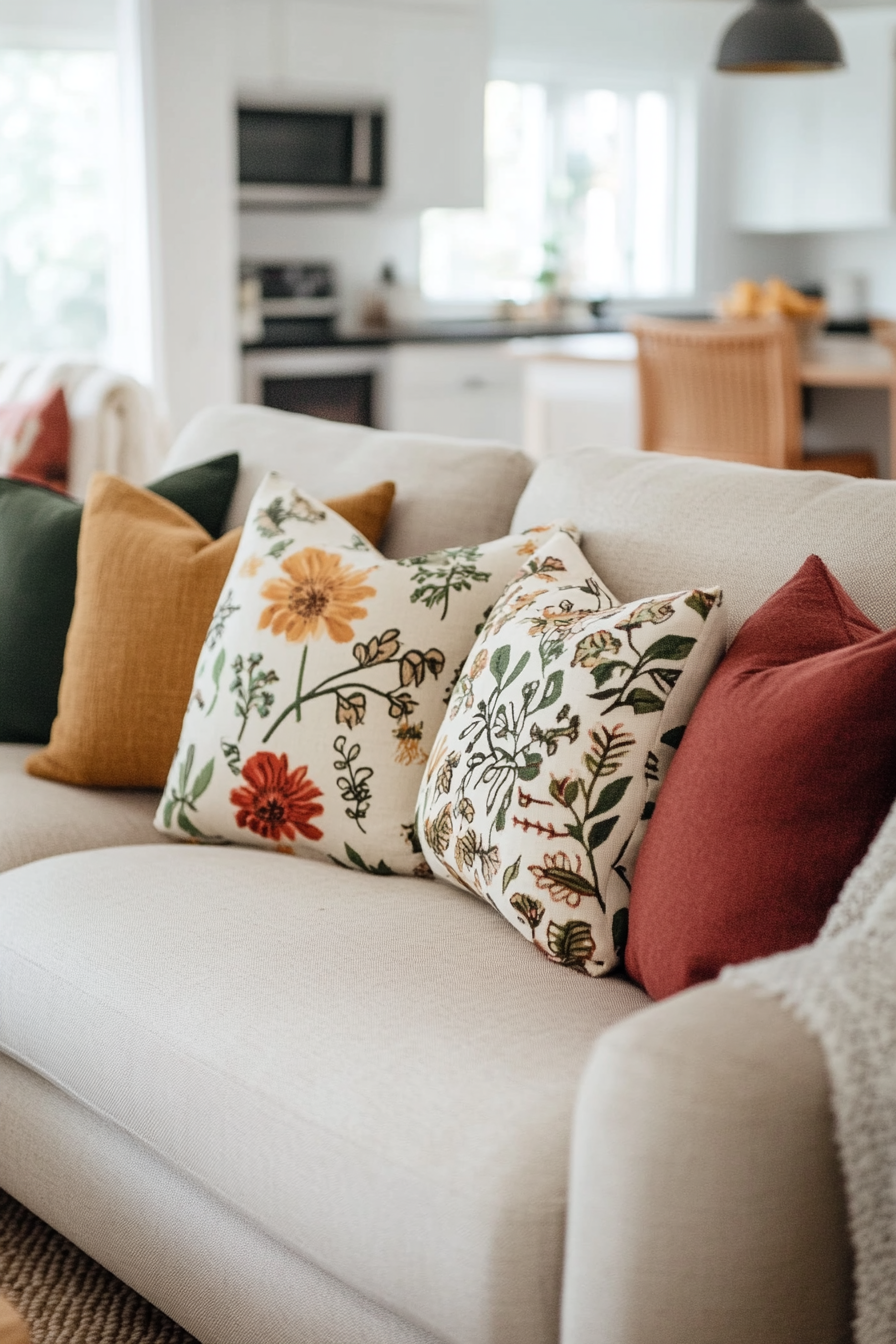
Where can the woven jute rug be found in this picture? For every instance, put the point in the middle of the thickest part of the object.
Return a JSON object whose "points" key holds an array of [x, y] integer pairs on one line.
{"points": [[66, 1297]]}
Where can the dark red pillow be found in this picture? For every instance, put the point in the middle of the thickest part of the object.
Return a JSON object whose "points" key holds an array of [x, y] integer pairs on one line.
{"points": [[34, 440], [782, 780]]}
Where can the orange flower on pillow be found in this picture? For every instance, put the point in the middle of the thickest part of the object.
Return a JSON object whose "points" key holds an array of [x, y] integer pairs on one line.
{"points": [[277, 801], [320, 593]]}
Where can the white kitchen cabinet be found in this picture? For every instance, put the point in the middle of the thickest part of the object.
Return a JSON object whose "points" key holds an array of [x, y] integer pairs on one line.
{"points": [[812, 153], [468, 390], [426, 62], [579, 404]]}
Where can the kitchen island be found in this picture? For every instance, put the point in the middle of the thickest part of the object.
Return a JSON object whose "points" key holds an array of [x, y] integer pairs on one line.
{"points": [[583, 388]]}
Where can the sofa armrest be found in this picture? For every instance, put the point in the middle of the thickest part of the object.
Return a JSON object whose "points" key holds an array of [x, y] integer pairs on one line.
{"points": [[705, 1201]]}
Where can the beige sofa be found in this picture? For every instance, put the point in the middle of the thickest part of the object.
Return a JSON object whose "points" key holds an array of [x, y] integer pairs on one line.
{"points": [[368, 1134]]}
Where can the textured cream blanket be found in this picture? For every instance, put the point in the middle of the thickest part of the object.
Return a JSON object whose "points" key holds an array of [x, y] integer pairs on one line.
{"points": [[115, 424], [843, 989]]}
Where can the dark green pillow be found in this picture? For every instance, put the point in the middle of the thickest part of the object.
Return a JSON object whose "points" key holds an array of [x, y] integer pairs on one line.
{"points": [[38, 566]]}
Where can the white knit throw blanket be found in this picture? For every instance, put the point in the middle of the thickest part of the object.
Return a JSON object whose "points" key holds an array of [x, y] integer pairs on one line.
{"points": [[843, 990]]}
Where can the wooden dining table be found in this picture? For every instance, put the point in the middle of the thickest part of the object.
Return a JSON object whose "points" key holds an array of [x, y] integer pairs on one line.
{"points": [[826, 361]]}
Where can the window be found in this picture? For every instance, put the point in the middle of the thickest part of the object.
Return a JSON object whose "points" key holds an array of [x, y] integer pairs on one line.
{"points": [[585, 189], [57, 123]]}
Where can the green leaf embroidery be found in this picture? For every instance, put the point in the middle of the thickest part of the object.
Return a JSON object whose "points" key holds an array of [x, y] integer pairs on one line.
{"points": [[701, 602], [510, 874], [604, 671], [249, 687], [381, 870], [216, 677], [183, 797], [600, 831], [551, 693], [530, 910], [643, 701], [443, 573], [186, 768], [671, 648], [499, 662], [517, 670], [202, 781], [571, 943], [270, 521], [186, 824], [610, 796]]}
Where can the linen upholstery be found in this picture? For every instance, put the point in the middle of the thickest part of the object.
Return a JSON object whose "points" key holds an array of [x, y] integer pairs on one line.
{"points": [[199, 1260], [450, 492], [42, 818], [651, 523], [706, 1201], [384, 1089]]}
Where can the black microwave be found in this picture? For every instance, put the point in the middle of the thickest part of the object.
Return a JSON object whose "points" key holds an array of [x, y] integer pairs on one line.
{"points": [[293, 156]]}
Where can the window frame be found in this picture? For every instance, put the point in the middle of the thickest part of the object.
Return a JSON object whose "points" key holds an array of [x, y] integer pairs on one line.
{"points": [[682, 98]]}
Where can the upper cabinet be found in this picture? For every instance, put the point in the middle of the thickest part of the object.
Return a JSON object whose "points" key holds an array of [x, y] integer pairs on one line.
{"points": [[426, 60], [813, 153]]}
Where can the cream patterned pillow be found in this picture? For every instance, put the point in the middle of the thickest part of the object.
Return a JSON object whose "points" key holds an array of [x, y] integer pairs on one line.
{"points": [[322, 683], [558, 736]]}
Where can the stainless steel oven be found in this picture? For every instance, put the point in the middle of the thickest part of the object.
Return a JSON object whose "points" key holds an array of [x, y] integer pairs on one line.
{"points": [[348, 384]]}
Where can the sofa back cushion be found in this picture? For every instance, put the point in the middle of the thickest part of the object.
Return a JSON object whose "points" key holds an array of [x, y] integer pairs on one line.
{"points": [[450, 492], [652, 523]]}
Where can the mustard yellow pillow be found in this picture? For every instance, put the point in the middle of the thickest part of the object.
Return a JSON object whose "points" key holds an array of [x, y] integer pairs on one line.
{"points": [[367, 512]]}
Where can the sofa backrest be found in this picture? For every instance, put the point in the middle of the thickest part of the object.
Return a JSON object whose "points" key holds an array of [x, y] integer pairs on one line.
{"points": [[450, 492], [653, 524]]}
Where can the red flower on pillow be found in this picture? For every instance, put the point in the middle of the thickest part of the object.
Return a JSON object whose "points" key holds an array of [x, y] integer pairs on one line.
{"points": [[277, 801]]}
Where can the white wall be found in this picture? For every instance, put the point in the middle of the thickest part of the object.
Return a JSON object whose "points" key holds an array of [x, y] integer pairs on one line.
{"points": [[189, 164], [869, 253], [358, 242]]}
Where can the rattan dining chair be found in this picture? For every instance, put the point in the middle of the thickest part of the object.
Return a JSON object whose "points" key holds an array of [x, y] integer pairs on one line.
{"points": [[727, 390]]}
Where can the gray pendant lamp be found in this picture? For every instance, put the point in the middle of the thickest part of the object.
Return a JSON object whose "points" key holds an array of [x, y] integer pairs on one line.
{"points": [[780, 37]]}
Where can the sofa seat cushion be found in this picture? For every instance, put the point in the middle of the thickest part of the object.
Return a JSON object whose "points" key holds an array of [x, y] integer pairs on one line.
{"points": [[41, 818], [387, 1088]]}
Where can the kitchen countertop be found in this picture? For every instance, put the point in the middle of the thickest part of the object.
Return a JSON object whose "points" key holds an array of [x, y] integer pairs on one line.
{"points": [[828, 360], [449, 331]]}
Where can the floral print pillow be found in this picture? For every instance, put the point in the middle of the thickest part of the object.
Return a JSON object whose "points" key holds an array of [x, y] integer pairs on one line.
{"points": [[322, 683], [558, 736]]}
